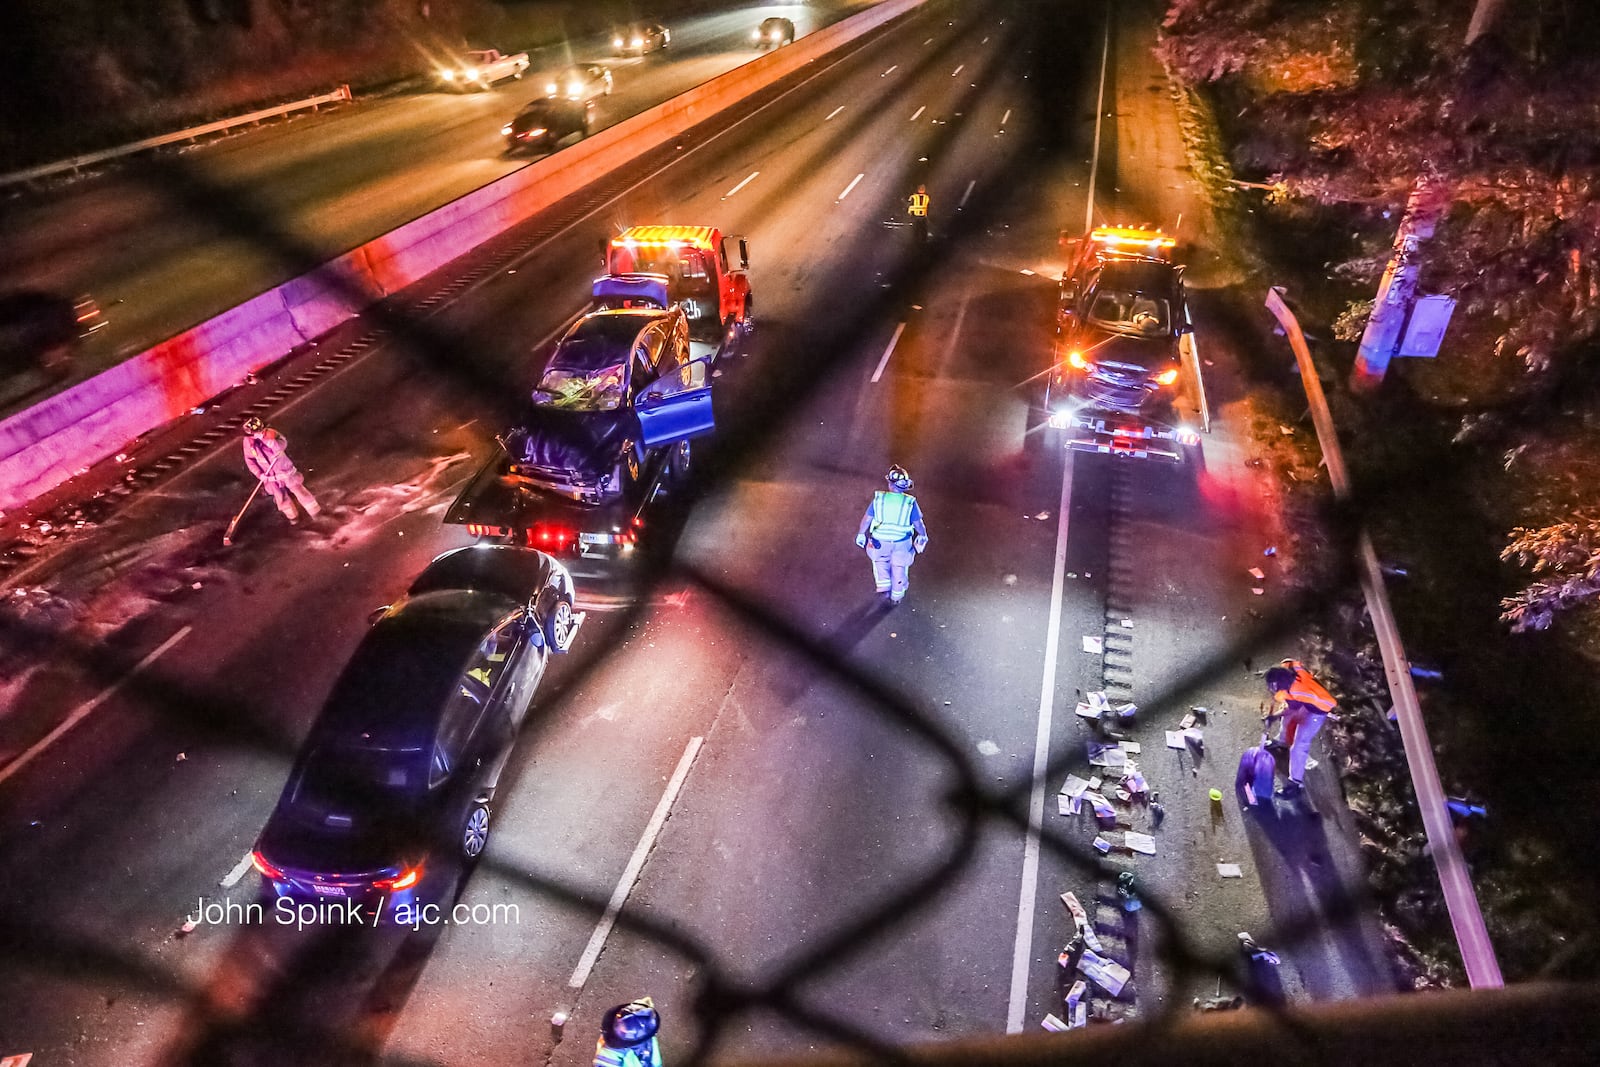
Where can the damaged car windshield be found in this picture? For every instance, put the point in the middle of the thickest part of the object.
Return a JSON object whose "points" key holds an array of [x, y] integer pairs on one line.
{"points": [[580, 390]]}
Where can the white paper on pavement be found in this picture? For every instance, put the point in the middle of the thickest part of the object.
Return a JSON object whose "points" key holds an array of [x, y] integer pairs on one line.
{"points": [[1108, 974], [1073, 786], [1080, 919], [1175, 739], [1229, 870], [1140, 842], [1066, 805], [1102, 806], [1093, 644]]}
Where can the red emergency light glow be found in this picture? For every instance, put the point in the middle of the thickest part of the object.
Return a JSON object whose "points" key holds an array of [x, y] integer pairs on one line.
{"points": [[267, 870], [546, 535]]}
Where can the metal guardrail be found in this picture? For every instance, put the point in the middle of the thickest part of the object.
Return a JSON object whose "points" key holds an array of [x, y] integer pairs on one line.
{"points": [[44, 170], [1472, 936]]}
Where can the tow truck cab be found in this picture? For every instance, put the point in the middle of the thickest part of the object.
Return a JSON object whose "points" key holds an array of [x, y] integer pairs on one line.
{"points": [[1122, 326], [707, 274]]}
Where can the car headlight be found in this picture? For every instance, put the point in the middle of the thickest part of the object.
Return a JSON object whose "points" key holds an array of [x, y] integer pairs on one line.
{"points": [[551, 89], [638, 42], [575, 89], [616, 42], [447, 75], [505, 131], [755, 35], [470, 74], [537, 131], [1168, 376], [1060, 419], [1076, 359]]}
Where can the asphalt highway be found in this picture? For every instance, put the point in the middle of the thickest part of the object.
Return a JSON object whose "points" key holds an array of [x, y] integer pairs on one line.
{"points": [[813, 808], [159, 254]]}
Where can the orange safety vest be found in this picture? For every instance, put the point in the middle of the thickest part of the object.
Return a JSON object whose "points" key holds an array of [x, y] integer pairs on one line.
{"points": [[919, 204], [1307, 690]]}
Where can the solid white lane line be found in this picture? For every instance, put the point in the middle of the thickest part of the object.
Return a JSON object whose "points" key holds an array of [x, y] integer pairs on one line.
{"points": [[890, 71], [887, 352], [834, 112], [630, 875], [741, 185], [966, 194], [1005, 117], [917, 113], [1022, 949], [83, 710], [852, 185], [1099, 113], [231, 879]]}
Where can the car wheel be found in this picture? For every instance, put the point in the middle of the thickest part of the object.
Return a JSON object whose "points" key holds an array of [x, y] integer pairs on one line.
{"points": [[680, 463], [560, 625], [475, 832]]}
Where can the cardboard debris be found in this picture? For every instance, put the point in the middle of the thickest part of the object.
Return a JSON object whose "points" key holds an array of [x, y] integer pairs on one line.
{"points": [[1093, 704], [1102, 846], [1077, 1006], [1066, 805], [1094, 644], [1195, 737], [1074, 785], [1127, 624], [1140, 842], [1080, 919], [1124, 796], [1102, 806], [1134, 782], [1096, 782], [1175, 739], [1186, 722], [1112, 758], [1106, 973], [1229, 870], [1053, 1024], [1258, 591], [1130, 747]]}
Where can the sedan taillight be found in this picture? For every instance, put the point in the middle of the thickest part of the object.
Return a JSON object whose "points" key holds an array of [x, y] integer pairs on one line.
{"points": [[268, 870], [407, 878]]}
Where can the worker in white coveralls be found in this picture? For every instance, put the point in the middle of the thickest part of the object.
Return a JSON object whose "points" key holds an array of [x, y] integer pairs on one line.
{"points": [[266, 453], [893, 534]]}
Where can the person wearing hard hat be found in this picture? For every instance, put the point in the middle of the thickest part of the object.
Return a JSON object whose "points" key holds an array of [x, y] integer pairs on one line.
{"points": [[1304, 705], [628, 1036], [266, 453], [893, 534]]}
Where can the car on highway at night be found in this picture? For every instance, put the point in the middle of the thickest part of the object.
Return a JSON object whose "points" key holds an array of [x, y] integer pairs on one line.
{"points": [[41, 330], [607, 430], [1121, 323], [773, 33], [583, 82], [388, 803], [640, 38], [481, 68], [544, 122]]}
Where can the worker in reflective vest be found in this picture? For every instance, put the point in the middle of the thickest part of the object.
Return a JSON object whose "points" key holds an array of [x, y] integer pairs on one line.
{"points": [[1303, 705], [266, 453], [917, 208], [628, 1036], [893, 534]]}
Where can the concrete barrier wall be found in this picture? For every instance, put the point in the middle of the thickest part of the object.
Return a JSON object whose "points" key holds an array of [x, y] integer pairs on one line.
{"points": [[47, 444]]}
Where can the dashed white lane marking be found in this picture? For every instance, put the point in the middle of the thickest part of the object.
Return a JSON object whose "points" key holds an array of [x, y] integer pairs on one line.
{"points": [[853, 182], [834, 112], [887, 352], [890, 71], [958, 70], [231, 879], [741, 185], [630, 875], [1022, 950], [966, 194], [83, 710], [918, 113], [1006, 117]]}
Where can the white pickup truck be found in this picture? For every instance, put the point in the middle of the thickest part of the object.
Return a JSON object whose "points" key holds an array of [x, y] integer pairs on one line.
{"points": [[481, 69]]}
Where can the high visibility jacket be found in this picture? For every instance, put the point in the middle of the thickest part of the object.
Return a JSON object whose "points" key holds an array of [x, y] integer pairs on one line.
{"points": [[1307, 690], [892, 517], [919, 204], [644, 1054]]}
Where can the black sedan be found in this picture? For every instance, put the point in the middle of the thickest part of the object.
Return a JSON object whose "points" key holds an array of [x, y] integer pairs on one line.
{"points": [[640, 38], [543, 123], [585, 82], [388, 802], [773, 33]]}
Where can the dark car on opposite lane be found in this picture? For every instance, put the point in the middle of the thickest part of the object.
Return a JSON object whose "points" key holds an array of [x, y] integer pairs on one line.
{"points": [[388, 803], [773, 33], [641, 37], [586, 81], [545, 122]]}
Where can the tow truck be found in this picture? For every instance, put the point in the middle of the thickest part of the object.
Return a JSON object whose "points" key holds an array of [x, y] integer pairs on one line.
{"points": [[707, 275], [1122, 326]]}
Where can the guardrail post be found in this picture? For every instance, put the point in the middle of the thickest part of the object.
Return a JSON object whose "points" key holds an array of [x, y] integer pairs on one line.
{"points": [[1472, 936]]}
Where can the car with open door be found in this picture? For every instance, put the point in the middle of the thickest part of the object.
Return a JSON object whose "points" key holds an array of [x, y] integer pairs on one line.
{"points": [[607, 430], [388, 803]]}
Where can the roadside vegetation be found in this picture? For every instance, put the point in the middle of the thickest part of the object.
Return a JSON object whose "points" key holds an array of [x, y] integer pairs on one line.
{"points": [[1479, 471]]}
